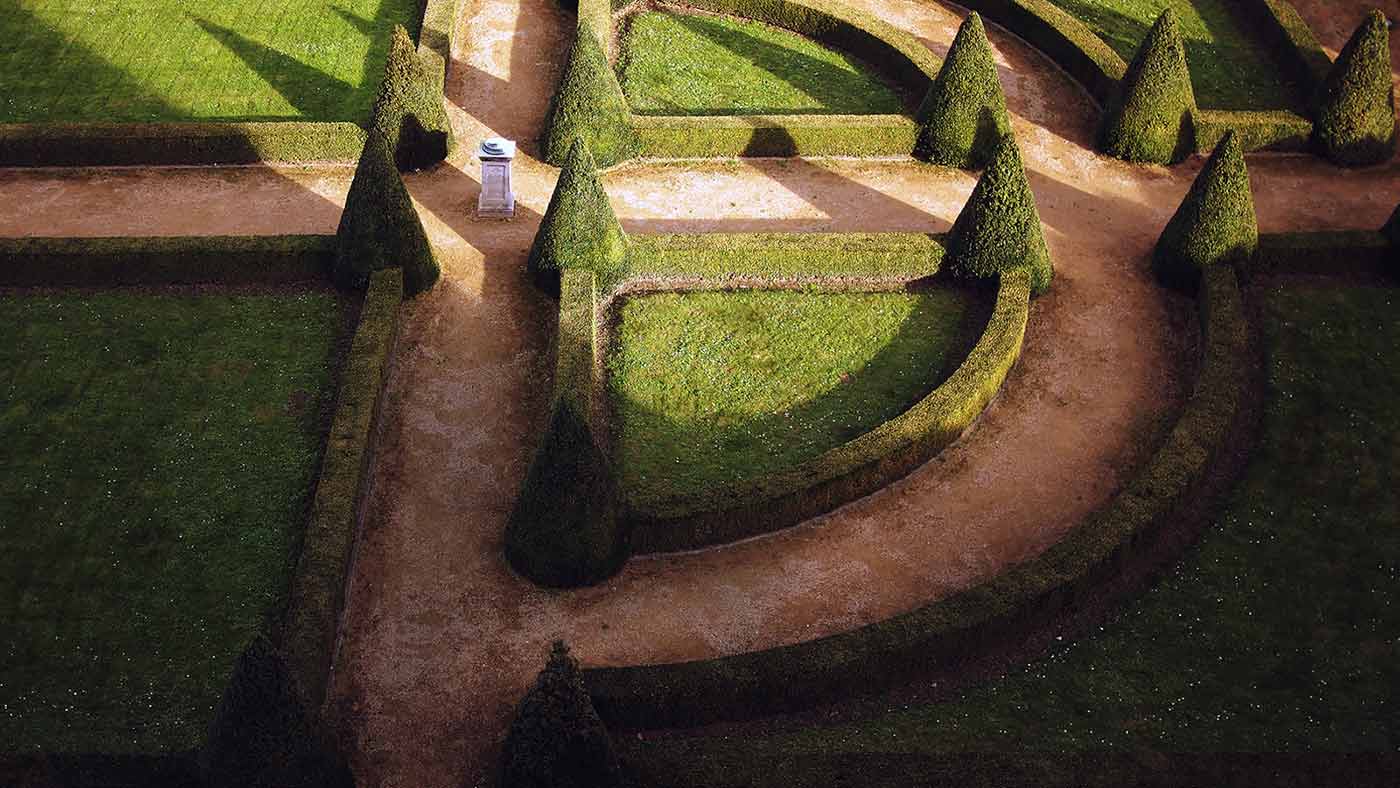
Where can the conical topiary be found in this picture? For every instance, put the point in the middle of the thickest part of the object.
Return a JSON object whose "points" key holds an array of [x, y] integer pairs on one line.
{"points": [[963, 117], [408, 111], [557, 739], [999, 227], [579, 229], [1355, 121], [1150, 118], [589, 104], [262, 735], [380, 227], [1214, 224]]}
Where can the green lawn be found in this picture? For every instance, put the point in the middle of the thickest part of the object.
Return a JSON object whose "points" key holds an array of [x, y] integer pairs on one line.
{"points": [[686, 64], [160, 60], [160, 448], [1279, 634], [1230, 66], [712, 388]]}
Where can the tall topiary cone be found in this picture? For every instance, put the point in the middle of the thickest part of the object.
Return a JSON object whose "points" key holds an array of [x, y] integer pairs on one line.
{"points": [[1215, 223], [999, 227], [380, 227], [408, 111], [579, 229], [589, 104], [557, 739], [262, 735], [1355, 122], [963, 117], [1150, 119]]}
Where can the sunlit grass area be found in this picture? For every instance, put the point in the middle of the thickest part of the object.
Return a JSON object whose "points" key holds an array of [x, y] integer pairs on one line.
{"points": [[689, 64], [159, 453], [713, 388], [161, 60]]}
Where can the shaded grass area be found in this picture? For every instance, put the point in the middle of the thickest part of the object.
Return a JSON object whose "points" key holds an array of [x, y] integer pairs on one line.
{"points": [[1278, 634], [689, 64], [1231, 68], [713, 388], [164, 60], [160, 448]]}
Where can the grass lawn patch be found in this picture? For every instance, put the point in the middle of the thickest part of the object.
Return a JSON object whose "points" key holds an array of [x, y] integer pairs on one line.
{"points": [[1276, 635], [166, 60], [713, 388], [160, 450], [692, 64], [1231, 67]]}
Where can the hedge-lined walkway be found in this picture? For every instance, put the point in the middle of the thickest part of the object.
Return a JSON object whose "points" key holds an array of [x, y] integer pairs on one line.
{"points": [[441, 638]]}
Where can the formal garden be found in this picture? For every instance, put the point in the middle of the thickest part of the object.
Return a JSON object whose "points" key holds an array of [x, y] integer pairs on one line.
{"points": [[854, 393]]}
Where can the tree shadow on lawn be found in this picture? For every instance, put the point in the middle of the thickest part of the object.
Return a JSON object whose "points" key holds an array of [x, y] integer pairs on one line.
{"points": [[312, 92]]}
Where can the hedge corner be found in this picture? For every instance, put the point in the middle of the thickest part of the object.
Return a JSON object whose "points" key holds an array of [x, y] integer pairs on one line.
{"points": [[999, 228], [963, 117], [1150, 118], [557, 739], [408, 111], [579, 228], [1215, 224], [589, 104], [380, 228], [1355, 122]]}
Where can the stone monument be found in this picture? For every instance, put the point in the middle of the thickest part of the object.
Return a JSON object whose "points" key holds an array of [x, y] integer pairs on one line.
{"points": [[497, 197]]}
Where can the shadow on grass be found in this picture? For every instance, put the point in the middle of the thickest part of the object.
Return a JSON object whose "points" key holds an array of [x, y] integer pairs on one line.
{"points": [[312, 92]]}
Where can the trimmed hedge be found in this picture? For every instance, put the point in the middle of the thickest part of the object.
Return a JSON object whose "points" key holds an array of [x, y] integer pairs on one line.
{"points": [[589, 105], [1271, 131], [1070, 43], [690, 136], [564, 530], [860, 466], [557, 739], [1214, 224], [435, 39], [408, 111], [1329, 253], [1149, 121], [1287, 34], [110, 144], [380, 227], [318, 585], [1356, 106], [109, 262], [963, 117], [891, 652], [579, 228], [999, 227]]}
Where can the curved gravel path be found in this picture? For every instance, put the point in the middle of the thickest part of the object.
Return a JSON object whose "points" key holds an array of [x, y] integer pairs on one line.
{"points": [[441, 638]]}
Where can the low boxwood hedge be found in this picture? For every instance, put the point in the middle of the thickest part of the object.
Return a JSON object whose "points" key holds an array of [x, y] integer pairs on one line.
{"points": [[110, 262], [688, 136], [1364, 253], [1271, 131], [109, 144], [1287, 34], [435, 38]]}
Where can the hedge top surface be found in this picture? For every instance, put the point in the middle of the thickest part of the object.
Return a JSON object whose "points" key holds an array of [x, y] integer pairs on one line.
{"points": [[1214, 224], [408, 111], [963, 117], [999, 227], [1355, 122], [579, 228], [380, 228], [1150, 119], [589, 104]]}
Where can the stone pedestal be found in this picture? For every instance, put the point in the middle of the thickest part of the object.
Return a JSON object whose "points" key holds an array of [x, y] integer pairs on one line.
{"points": [[497, 198]]}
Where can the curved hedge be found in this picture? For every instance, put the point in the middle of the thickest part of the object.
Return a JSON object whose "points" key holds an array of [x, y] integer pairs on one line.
{"points": [[1057, 34], [1356, 107], [885, 654], [1149, 120], [963, 117]]}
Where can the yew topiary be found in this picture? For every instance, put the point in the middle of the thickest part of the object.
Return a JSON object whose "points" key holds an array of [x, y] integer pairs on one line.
{"points": [[1355, 123], [579, 229], [557, 739], [380, 227], [589, 104], [1150, 118], [1214, 225], [963, 117], [408, 111], [999, 227]]}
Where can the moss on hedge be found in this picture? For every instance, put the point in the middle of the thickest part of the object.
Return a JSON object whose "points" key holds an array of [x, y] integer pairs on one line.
{"points": [[589, 104], [380, 227], [999, 229], [1214, 224], [1150, 119], [579, 228], [963, 117], [1355, 122], [408, 111], [557, 739]]}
